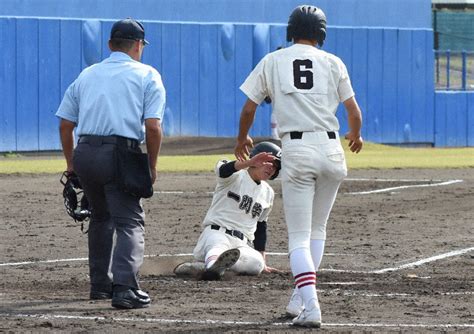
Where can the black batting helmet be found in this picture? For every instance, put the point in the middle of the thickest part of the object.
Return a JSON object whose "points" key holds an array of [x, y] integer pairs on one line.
{"points": [[307, 22], [266, 146]]}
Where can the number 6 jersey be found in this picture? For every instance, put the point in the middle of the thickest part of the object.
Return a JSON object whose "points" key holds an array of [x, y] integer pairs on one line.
{"points": [[305, 84]]}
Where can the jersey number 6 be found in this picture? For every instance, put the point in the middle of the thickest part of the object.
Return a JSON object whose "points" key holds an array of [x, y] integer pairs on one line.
{"points": [[303, 78]]}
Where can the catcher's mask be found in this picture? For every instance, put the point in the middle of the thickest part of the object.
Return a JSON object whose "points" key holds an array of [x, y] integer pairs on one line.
{"points": [[266, 146], [307, 22], [75, 201]]}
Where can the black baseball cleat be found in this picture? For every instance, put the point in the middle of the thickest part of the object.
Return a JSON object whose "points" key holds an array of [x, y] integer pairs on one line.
{"points": [[223, 262], [131, 298]]}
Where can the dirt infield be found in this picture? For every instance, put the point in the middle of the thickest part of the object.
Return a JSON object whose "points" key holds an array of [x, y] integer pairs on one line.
{"points": [[396, 260]]}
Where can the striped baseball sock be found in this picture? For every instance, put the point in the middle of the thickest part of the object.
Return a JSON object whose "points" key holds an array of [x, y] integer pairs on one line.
{"points": [[210, 261], [305, 276], [306, 285], [212, 256], [305, 279]]}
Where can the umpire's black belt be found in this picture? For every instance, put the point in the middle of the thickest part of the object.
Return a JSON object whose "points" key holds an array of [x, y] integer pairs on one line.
{"points": [[233, 233], [115, 140], [299, 134]]}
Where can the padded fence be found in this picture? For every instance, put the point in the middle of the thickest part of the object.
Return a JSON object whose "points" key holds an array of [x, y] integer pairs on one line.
{"points": [[367, 13], [202, 66], [454, 119]]}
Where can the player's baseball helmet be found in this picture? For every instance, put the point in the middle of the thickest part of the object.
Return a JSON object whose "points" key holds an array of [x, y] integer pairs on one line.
{"points": [[266, 146], [307, 22]]}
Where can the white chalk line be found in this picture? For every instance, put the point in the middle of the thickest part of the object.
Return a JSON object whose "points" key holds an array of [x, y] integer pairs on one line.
{"points": [[379, 271], [80, 259], [445, 183], [223, 322], [341, 283], [423, 261], [385, 295], [431, 184], [391, 180], [338, 291]]}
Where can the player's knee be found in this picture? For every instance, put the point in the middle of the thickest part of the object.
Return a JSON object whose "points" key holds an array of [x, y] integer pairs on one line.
{"points": [[302, 249], [319, 231], [299, 239], [255, 269], [249, 265]]}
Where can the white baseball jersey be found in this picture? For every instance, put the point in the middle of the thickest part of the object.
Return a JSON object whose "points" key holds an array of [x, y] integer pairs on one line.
{"points": [[305, 84], [239, 202]]}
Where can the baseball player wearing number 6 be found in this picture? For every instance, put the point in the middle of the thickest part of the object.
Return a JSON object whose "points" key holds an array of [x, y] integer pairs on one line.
{"points": [[306, 85], [238, 215]]}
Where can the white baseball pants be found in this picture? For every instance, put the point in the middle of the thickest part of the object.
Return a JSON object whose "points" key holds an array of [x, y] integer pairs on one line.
{"points": [[313, 167], [251, 262]]}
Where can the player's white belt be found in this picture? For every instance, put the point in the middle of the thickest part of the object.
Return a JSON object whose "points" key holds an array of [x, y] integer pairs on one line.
{"points": [[233, 233]]}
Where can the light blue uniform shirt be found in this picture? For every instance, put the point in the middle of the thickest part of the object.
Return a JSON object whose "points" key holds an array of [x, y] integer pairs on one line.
{"points": [[114, 97]]}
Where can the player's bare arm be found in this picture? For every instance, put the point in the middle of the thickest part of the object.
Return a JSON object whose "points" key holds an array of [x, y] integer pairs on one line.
{"points": [[153, 143], [354, 117], [244, 141], [261, 159], [66, 129], [269, 269]]}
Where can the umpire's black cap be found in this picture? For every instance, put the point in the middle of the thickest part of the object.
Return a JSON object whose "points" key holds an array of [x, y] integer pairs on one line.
{"points": [[128, 29]]}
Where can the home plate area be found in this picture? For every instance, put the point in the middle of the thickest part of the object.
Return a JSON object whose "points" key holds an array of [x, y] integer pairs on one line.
{"points": [[399, 257]]}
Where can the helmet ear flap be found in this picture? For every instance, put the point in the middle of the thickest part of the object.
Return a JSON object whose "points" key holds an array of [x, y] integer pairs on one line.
{"points": [[321, 35], [289, 33]]}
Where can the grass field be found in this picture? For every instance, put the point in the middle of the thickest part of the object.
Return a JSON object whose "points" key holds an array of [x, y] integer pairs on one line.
{"points": [[372, 156]]}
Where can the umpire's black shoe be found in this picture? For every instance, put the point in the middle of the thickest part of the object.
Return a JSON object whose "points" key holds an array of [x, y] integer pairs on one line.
{"points": [[100, 291], [98, 295], [131, 298]]}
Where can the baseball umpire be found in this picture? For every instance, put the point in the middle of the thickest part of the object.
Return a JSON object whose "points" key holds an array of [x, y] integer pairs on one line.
{"points": [[238, 215], [306, 86], [114, 105]]}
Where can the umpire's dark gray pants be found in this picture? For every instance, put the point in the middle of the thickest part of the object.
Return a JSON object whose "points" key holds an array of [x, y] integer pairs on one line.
{"points": [[112, 210]]}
